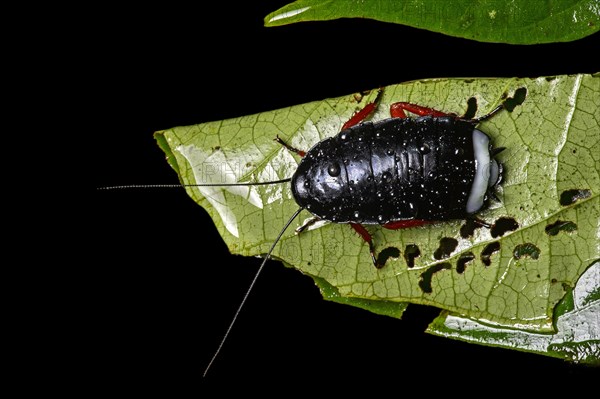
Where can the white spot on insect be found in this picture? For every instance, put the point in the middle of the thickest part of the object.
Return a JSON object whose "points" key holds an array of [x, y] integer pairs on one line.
{"points": [[215, 168], [288, 14], [481, 143]]}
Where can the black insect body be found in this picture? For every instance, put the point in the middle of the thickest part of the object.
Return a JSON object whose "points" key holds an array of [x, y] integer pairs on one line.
{"points": [[398, 169]]}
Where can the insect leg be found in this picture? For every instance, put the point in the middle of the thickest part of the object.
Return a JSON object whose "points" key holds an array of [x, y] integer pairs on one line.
{"points": [[397, 110], [289, 147], [359, 228], [404, 224], [363, 113]]}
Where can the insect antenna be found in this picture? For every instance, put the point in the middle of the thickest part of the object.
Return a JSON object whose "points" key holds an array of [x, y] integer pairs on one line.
{"points": [[260, 183], [235, 316]]}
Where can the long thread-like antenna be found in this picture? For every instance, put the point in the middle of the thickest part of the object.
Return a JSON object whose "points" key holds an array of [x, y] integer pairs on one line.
{"points": [[250, 289], [260, 183]]}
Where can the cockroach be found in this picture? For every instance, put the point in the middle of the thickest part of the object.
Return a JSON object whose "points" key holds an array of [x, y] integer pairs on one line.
{"points": [[397, 172]]}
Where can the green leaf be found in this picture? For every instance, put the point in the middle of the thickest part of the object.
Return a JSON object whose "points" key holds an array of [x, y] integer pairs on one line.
{"points": [[577, 336], [512, 280], [500, 21]]}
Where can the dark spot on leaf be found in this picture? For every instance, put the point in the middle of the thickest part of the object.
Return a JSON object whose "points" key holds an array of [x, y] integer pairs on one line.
{"points": [[217, 148], [410, 253], [309, 263], [527, 249], [550, 78], [471, 108], [384, 255], [569, 197], [560, 225], [566, 286], [463, 260], [511, 102], [425, 281], [503, 225], [554, 281], [487, 252], [468, 229], [249, 164], [447, 245]]}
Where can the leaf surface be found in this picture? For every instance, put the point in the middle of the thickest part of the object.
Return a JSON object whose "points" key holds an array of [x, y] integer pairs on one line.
{"points": [[507, 276], [500, 21]]}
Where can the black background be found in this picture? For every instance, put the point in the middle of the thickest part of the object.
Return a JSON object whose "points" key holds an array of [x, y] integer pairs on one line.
{"points": [[168, 286]]}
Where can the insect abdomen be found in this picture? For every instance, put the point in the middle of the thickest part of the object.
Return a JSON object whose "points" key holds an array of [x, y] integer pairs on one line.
{"points": [[399, 169]]}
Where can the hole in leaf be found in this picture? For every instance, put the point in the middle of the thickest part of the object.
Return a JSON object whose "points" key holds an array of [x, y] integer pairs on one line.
{"points": [[527, 249], [560, 225], [462, 261], [569, 197], [471, 108], [425, 281], [447, 245], [519, 97], [488, 251], [468, 229], [384, 255], [503, 225], [410, 253]]}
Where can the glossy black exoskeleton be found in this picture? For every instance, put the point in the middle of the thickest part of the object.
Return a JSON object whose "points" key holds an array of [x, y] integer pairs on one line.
{"points": [[398, 169]]}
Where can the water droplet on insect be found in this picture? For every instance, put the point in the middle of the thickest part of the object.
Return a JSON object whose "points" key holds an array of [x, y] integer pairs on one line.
{"points": [[379, 194], [360, 138], [369, 178], [459, 151], [307, 184], [377, 134], [386, 177], [389, 151], [424, 149], [343, 136], [307, 206], [356, 214], [380, 218], [333, 170]]}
